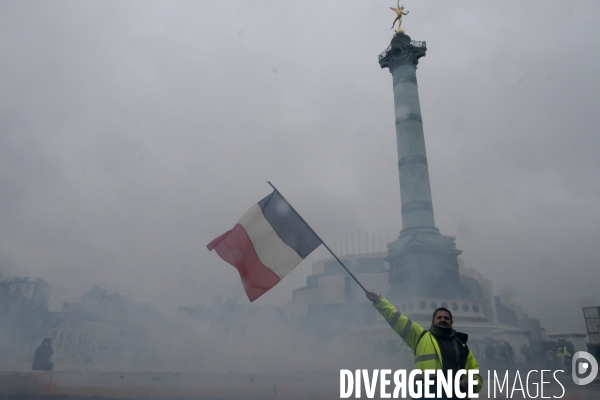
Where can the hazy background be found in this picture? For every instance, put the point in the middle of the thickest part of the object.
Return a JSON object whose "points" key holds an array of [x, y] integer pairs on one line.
{"points": [[133, 133]]}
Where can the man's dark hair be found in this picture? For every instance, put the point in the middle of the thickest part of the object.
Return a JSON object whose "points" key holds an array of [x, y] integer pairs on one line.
{"points": [[441, 309]]}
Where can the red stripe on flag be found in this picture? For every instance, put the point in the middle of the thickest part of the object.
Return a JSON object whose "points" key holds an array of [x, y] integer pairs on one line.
{"points": [[236, 248]]}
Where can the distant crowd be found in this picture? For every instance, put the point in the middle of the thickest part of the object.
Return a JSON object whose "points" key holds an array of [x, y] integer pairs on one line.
{"points": [[500, 355], [554, 355]]}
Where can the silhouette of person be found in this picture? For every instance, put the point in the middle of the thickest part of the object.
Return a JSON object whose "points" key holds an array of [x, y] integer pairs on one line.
{"points": [[526, 351], [41, 359]]}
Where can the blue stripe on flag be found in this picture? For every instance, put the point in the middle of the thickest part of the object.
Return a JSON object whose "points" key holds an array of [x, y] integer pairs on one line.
{"points": [[289, 226]]}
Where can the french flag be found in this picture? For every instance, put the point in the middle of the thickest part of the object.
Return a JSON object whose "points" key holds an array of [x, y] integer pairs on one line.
{"points": [[266, 244]]}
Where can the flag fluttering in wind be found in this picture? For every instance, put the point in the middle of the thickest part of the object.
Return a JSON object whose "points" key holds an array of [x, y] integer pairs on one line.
{"points": [[266, 244]]}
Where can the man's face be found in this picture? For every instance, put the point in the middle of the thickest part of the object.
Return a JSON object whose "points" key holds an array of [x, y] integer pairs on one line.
{"points": [[442, 319]]}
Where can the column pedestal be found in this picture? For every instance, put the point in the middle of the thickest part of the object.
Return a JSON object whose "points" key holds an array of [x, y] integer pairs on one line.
{"points": [[424, 265]]}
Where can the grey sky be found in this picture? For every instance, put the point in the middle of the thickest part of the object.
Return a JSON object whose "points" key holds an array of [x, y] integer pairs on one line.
{"points": [[133, 133]]}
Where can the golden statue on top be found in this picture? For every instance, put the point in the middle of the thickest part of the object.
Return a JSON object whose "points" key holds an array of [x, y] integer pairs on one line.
{"points": [[400, 12]]}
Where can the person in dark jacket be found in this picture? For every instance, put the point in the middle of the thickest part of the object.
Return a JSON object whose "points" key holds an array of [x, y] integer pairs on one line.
{"points": [[510, 355], [551, 358], [526, 351], [41, 359], [490, 355]]}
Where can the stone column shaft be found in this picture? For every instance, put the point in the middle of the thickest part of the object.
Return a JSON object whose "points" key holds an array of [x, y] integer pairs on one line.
{"points": [[415, 190]]}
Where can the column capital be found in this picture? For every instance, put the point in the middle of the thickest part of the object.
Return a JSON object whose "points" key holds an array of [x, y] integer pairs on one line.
{"points": [[402, 51]]}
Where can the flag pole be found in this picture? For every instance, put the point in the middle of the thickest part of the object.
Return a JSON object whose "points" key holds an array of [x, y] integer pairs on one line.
{"points": [[314, 233]]}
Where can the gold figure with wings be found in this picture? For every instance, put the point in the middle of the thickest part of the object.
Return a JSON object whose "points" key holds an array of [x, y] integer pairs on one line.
{"points": [[400, 12]]}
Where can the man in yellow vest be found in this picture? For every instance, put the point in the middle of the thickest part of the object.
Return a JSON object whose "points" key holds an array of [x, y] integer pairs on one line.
{"points": [[440, 347], [562, 353]]}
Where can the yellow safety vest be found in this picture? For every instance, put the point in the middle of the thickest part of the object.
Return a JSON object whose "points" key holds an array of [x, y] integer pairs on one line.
{"points": [[563, 352], [427, 351]]}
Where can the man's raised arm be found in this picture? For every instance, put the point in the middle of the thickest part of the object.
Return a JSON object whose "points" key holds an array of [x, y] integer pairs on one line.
{"points": [[408, 330]]}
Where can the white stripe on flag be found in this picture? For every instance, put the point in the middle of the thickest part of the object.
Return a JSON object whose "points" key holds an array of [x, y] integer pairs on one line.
{"points": [[271, 250]]}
